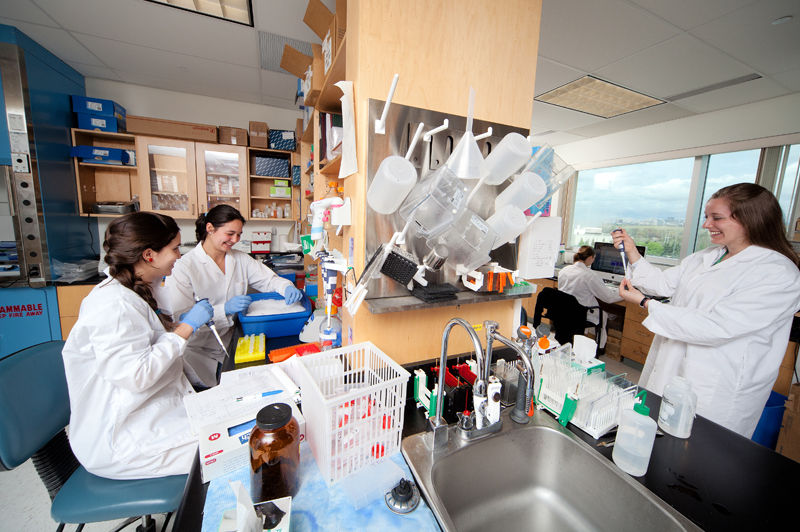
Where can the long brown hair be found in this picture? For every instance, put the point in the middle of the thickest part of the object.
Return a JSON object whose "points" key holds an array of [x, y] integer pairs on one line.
{"points": [[127, 238], [217, 217], [759, 212], [582, 254]]}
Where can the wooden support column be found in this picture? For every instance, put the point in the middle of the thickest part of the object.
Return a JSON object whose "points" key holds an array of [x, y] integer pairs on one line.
{"points": [[440, 49]]}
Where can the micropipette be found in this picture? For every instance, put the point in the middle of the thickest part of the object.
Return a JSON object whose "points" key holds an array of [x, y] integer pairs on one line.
{"points": [[213, 327], [624, 256]]}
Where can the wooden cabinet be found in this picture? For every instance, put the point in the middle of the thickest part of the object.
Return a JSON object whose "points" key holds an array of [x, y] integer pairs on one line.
{"points": [[69, 305], [636, 338], [222, 176], [261, 187], [167, 176], [103, 182]]}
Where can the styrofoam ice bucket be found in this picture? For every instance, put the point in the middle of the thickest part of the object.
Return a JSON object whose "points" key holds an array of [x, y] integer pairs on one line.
{"points": [[353, 400]]}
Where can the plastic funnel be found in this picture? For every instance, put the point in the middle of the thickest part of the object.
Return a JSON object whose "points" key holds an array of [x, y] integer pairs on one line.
{"points": [[466, 161], [509, 222], [507, 158], [526, 190], [393, 181]]}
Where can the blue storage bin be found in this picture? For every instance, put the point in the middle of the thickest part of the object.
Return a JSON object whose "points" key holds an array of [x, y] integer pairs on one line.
{"points": [[101, 123], [97, 106], [276, 325], [769, 425], [100, 155]]}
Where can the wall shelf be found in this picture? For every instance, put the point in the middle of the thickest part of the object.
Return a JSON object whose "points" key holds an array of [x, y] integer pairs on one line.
{"points": [[329, 100], [332, 168]]}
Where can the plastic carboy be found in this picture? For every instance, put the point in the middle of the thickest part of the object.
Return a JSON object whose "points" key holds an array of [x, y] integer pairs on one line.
{"points": [[635, 437], [678, 407], [330, 336], [274, 454]]}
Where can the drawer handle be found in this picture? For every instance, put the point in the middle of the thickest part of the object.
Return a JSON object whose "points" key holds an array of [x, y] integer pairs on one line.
{"points": [[640, 354], [642, 334]]}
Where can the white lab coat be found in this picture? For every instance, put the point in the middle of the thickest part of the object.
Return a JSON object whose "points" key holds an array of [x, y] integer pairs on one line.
{"points": [[726, 329], [126, 388], [197, 274], [587, 287]]}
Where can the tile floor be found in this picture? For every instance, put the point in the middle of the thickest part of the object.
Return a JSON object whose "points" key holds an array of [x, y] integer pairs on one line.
{"points": [[25, 506]]}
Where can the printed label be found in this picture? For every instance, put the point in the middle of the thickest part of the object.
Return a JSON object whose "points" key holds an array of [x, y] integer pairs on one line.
{"points": [[458, 195], [94, 106], [98, 122], [288, 135], [101, 153], [16, 122], [479, 223]]}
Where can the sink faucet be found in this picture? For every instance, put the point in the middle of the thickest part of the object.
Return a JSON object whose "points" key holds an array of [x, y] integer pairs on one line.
{"points": [[527, 373], [437, 424]]}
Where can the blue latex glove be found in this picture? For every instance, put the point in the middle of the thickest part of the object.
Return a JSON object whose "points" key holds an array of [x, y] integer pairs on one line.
{"points": [[200, 314], [237, 304], [292, 295]]}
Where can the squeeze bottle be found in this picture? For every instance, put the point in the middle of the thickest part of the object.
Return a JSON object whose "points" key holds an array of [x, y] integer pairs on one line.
{"points": [[678, 406], [635, 437]]}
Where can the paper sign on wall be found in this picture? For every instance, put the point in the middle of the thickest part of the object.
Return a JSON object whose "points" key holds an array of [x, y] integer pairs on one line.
{"points": [[538, 248]]}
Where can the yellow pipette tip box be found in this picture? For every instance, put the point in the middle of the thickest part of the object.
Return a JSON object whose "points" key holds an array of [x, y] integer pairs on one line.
{"points": [[250, 348]]}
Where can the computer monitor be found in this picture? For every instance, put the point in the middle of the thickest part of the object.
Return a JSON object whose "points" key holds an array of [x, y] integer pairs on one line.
{"points": [[608, 261]]}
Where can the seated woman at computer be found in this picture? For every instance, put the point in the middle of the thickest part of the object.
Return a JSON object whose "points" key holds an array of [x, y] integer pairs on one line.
{"points": [[587, 286], [732, 304]]}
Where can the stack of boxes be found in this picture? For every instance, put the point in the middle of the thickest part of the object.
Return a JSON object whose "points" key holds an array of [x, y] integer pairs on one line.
{"points": [[96, 114], [789, 437], [261, 242]]}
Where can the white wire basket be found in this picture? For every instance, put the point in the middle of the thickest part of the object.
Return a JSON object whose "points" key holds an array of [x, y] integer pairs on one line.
{"points": [[353, 400]]}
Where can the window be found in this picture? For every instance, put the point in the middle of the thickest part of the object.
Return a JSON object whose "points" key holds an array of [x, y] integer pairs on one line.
{"points": [[725, 169], [648, 200], [787, 182]]}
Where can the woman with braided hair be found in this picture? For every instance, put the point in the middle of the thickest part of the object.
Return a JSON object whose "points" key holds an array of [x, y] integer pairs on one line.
{"points": [[124, 359]]}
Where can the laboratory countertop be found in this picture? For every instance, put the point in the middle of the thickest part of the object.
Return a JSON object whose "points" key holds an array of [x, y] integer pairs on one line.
{"points": [[399, 304], [716, 478]]}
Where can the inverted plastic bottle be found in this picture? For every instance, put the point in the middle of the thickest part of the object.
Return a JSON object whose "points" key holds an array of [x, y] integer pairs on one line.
{"points": [[527, 189], [507, 158], [509, 222], [678, 407], [330, 336], [635, 437], [394, 179]]}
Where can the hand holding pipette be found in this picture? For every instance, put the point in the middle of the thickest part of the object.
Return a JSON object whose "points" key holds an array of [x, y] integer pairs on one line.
{"points": [[627, 249], [213, 327]]}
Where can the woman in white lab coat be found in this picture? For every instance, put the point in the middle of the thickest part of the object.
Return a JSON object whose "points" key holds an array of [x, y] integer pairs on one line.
{"points": [[587, 286], [727, 325], [215, 271], [123, 359]]}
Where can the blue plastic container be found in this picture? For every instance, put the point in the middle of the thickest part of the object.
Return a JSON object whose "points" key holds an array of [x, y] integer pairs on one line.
{"points": [[276, 325], [769, 426]]}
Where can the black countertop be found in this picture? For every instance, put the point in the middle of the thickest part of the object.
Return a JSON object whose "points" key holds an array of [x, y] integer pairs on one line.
{"points": [[716, 478]]}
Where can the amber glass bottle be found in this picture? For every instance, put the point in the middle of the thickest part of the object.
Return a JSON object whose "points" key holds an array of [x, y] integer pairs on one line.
{"points": [[274, 454]]}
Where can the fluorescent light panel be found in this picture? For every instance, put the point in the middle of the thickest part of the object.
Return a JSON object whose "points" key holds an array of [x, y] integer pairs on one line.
{"points": [[239, 11], [597, 97]]}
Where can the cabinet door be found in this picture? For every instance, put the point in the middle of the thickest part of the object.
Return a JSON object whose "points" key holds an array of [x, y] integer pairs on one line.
{"points": [[167, 176], [222, 176]]}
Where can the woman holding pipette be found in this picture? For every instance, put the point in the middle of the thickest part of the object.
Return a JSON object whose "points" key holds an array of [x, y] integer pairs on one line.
{"points": [[214, 270], [123, 359], [587, 286], [732, 304]]}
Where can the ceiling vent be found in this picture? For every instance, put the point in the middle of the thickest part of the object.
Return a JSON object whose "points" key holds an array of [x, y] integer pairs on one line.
{"points": [[716, 86], [597, 97], [271, 50]]}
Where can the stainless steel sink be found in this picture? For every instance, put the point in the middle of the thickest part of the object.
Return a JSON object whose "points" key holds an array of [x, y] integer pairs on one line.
{"points": [[532, 477]]}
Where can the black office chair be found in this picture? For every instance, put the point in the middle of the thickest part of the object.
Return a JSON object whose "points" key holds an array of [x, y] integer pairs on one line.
{"points": [[568, 316], [34, 410]]}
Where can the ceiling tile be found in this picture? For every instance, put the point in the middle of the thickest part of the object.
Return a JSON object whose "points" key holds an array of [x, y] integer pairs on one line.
{"points": [[767, 48], [644, 117], [92, 71], [586, 34], [558, 118], [57, 41], [554, 139], [188, 87], [673, 67], [24, 10], [551, 75], [278, 85], [688, 14], [285, 18], [150, 61], [740, 94], [158, 26], [790, 78]]}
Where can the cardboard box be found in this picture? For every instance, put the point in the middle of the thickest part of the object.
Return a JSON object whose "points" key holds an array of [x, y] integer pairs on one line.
{"points": [[280, 192], [271, 167], [281, 183], [97, 106], [310, 69], [282, 140], [327, 25], [296, 175], [101, 155], [101, 123], [789, 437], [224, 448], [172, 129], [232, 135], [259, 135]]}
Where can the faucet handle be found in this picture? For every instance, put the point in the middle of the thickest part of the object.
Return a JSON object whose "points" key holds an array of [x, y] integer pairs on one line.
{"points": [[524, 332]]}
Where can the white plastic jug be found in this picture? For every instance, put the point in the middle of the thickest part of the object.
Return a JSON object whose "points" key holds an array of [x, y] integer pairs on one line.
{"points": [[393, 181], [509, 222], [507, 158], [526, 190], [678, 407], [635, 437]]}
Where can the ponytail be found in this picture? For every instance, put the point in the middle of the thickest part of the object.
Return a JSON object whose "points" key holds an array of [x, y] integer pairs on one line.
{"points": [[217, 217]]}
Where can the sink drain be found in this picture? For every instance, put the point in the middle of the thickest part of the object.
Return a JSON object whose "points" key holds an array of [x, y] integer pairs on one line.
{"points": [[404, 498]]}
